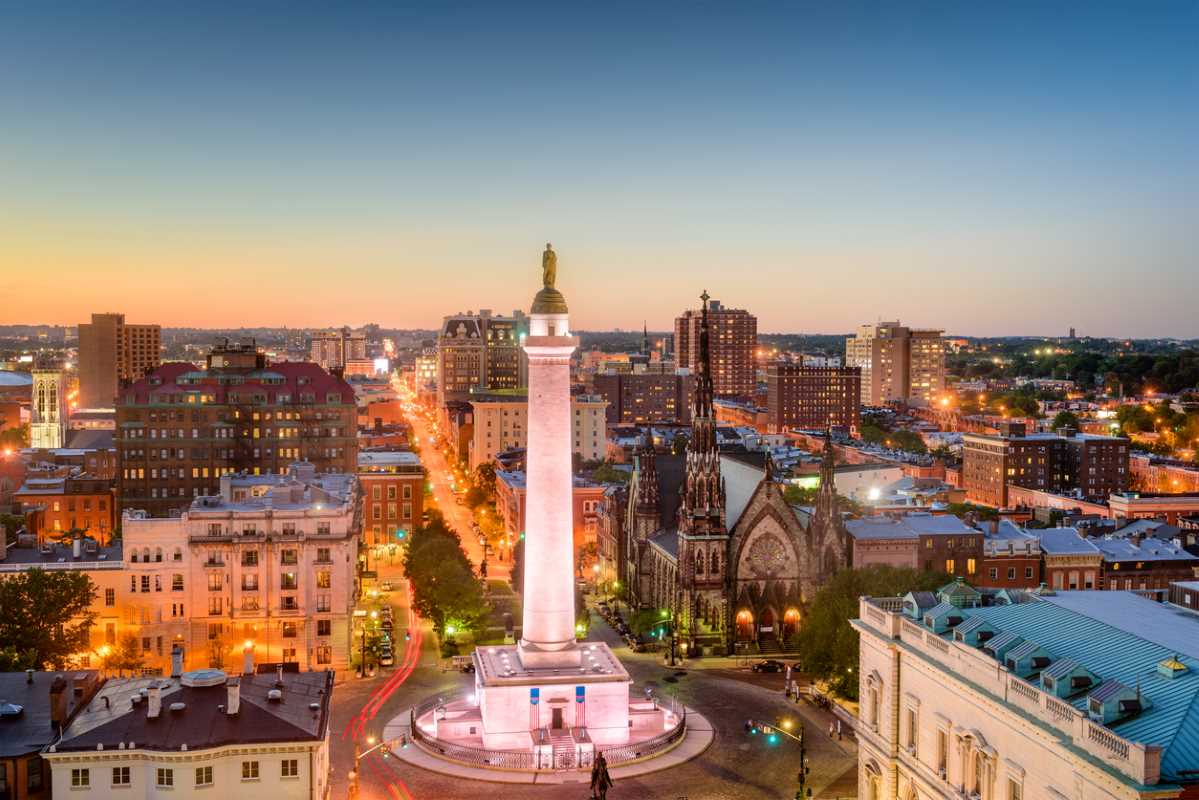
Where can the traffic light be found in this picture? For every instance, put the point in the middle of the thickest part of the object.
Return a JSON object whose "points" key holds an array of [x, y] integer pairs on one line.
{"points": [[385, 751], [522, 536], [401, 534], [407, 636], [751, 727]]}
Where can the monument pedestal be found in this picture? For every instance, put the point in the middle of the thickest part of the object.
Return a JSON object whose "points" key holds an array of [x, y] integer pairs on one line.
{"points": [[525, 705]]}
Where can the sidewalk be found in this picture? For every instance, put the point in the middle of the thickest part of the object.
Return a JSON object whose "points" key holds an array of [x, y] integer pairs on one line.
{"points": [[698, 737]]}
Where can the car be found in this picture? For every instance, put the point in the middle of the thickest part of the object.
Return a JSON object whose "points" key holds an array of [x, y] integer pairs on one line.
{"points": [[385, 586], [469, 669], [769, 665], [387, 624], [387, 659]]}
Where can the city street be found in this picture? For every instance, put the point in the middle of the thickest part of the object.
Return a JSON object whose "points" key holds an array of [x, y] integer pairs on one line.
{"points": [[737, 766], [439, 471]]}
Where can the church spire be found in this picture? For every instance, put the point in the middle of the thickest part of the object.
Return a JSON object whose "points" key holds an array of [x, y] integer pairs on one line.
{"points": [[644, 338], [702, 510], [648, 494]]}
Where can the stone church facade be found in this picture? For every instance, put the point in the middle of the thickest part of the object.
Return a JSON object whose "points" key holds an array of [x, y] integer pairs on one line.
{"points": [[727, 585]]}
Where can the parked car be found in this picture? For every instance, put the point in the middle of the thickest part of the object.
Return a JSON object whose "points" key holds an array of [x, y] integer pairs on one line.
{"points": [[387, 659], [385, 586], [469, 669], [769, 665]]}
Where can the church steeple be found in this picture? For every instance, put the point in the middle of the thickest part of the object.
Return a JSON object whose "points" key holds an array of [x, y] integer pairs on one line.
{"points": [[702, 511], [644, 338], [648, 493]]}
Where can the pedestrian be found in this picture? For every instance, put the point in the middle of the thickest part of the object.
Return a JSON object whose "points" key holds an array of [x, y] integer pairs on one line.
{"points": [[832, 729], [601, 781], [838, 729]]}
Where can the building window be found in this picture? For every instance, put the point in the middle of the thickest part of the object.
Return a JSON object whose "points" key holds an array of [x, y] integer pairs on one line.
{"points": [[290, 768], [249, 770], [324, 654], [323, 579], [165, 777], [287, 580], [177, 582], [1015, 789], [942, 752], [81, 778], [120, 776], [203, 776], [949, 565], [249, 558], [324, 627], [216, 581], [110, 597], [289, 630]]}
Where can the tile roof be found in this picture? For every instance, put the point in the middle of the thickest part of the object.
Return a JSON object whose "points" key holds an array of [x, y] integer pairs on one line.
{"points": [[292, 378], [667, 541]]}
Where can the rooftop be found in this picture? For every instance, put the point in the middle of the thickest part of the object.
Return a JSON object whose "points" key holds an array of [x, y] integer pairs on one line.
{"points": [[1065, 542], [1119, 549], [370, 460], [907, 526], [29, 730], [114, 716]]}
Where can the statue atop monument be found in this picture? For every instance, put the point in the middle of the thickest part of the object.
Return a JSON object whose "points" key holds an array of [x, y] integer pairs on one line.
{"points": [[549, 266], [549, 300]]}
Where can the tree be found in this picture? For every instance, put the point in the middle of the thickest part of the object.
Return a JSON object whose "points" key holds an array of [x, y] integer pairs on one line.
{"points": [[799, 495], [1065, 419], [15, 438], [48, 614], [126, 656], [444, 588], [828, 644], [475, 497], [606, 473], [678, 445], [13, 661], [10, 524], [588, 555], [485, 477]]}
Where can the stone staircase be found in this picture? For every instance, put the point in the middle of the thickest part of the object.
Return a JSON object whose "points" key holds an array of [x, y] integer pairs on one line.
{"points": [[564, 748]]}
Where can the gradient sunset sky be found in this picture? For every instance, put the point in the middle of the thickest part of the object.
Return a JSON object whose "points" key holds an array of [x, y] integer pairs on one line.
{"points": [[991, 168]]}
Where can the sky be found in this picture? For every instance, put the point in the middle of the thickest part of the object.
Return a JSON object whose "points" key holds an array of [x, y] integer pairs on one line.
{"points": [[988, 168]]}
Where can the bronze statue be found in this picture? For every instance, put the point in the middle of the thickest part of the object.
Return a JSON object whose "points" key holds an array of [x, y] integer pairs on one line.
{"points": [[549, 266]]}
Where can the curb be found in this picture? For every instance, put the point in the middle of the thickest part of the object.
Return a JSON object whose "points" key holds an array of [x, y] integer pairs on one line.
{"points": [[698, 737]]}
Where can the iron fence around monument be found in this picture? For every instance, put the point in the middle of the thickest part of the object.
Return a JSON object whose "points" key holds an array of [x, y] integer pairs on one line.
{"points": [[505, 759], [629, 752]]}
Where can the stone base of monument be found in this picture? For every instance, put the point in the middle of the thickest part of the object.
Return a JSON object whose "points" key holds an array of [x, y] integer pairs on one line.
{"points": [[534, 717]]}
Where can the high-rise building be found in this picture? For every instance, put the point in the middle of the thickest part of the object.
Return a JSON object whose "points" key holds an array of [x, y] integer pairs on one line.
{"points": [[112, 353], [48, 423], [812, 397], [480, 352], [335, 349], [899, 364], [179, 429], [733, 337]]}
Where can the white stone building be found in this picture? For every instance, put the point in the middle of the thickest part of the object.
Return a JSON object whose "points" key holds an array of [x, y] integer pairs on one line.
{"points": [[199, 734], [1073, 696], [271, 560]]}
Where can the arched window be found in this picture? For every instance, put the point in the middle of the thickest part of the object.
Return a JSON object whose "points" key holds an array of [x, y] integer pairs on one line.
{"points": [[178, 554], [158, 554], [715, 565], [146, 554]]}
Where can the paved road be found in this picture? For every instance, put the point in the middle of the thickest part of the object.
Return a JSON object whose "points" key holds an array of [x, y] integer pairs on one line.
{"points": [[736, 767], [439, 469]]}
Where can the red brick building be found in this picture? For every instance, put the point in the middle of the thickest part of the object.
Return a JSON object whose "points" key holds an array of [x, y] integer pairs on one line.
{"points": [[812, 397], [1096, 466], [1011, 557], [393, 483], [641, 397], [510, 506], [56, 505], [733, 339], [179, 429]]}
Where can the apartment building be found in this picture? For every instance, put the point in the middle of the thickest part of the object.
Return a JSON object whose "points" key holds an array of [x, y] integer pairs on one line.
{"points": [[732, 342], [393, 483], [500, 422], [898, 364], [337, 349], [479, 352], [645, 397], [799, 396], [179, 429], [112, 353]]}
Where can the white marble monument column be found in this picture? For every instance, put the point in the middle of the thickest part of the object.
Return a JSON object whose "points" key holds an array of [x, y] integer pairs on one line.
{"points": [[548, 633]]}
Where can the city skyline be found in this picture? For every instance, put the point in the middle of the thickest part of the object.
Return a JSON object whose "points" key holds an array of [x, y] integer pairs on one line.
{"points": [[821, 167]]}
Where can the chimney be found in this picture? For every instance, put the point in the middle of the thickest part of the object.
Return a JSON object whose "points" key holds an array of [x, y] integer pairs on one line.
{"points": [[995, 527], [233, 701], [176, 660], [154, 701], [58, 703], [76, 548], [247, 659]]}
